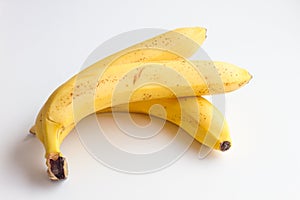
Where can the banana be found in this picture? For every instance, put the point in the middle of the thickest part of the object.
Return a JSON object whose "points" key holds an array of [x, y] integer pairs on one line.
{"points": [[172, 45], [155, 69], [206, 124], [81, 96]]}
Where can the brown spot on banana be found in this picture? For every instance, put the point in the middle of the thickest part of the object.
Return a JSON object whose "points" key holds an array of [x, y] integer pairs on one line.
{"points": [[137, 75]]}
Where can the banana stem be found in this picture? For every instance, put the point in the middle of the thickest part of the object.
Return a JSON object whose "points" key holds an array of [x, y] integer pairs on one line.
{"points": [[57, 167]]}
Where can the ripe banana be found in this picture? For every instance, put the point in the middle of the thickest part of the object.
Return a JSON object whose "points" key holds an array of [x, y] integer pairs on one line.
{"points": [[206, 124], [80, 96], [156, 67], [172, 45]]}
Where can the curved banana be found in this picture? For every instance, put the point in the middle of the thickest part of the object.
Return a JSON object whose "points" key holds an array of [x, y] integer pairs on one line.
{"points": [[206, 124], [156, 67], [172, 45], [82, 95]]}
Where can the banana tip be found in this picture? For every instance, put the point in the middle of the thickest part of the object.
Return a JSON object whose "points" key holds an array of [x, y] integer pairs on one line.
{"points": [[224, 146], [57, 168], [250, 76]]}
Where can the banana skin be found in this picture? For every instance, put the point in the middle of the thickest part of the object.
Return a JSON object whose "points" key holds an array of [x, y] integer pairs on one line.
{"points": [[172, 45], [94, 89], [56, 118], [196, 115]]}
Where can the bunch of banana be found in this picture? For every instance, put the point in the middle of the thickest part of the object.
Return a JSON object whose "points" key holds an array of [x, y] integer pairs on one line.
{"points": [[152, 72]]}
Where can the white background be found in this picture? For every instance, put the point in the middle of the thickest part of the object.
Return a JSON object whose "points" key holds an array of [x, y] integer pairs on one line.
{"points": [[43, 43]]}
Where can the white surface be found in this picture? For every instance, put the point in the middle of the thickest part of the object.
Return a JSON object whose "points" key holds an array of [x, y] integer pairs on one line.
{"points": [[44, 42]]}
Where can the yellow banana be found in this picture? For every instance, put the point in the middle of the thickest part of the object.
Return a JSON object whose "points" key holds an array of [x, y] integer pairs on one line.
{"points": [[81, 96], [172, 45], [156, 67], [206, 124]]}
